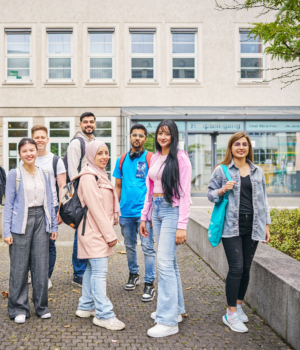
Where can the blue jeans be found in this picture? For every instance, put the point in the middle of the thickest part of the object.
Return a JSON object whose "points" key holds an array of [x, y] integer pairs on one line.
{"points": [[170, 301], [79, 265], [94, 289], [130, 227], [52, 252]]}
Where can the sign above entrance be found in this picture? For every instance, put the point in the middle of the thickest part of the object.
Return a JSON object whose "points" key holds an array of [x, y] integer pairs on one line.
{"points": [[215, 126], [273, 126], [151, 126]]}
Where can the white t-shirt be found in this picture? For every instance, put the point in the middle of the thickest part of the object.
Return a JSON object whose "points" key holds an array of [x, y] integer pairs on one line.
{"points": [[46, 162]]}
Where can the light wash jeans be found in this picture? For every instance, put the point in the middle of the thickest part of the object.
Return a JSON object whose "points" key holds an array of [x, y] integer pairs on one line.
{"points": [[130, 227], [94, 289], [170, 301]]}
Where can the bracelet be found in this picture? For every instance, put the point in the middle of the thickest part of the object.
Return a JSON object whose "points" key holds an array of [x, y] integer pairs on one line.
{"points": [[223, 189]]}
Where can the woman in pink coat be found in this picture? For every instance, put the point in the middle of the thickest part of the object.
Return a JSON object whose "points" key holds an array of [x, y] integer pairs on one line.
{"points": [[98, 194]]}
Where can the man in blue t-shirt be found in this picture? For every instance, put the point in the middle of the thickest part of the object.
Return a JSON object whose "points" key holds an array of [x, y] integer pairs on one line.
{"points": [[130, 172]]}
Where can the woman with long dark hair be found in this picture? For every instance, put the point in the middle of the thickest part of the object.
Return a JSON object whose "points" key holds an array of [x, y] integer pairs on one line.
{"points": [[29, 218], [246, 221], [168, 196]]}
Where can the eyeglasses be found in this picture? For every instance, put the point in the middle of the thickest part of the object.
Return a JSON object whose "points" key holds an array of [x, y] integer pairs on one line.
{"points": [[141, 136], [239, 144]]}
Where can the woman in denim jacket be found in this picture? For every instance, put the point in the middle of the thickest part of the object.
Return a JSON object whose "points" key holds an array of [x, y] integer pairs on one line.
{"points": [[29, 218], [246, 221]]}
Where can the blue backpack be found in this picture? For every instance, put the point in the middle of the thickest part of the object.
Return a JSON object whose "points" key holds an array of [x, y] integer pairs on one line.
{"points": [[215, 228]]}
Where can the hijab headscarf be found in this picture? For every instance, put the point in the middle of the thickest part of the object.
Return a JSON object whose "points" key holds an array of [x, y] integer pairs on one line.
{"points": [[90, 153]]}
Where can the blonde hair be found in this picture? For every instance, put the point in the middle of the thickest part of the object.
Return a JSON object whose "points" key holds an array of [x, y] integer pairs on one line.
{"points": [[38, 127], [228, 156]]}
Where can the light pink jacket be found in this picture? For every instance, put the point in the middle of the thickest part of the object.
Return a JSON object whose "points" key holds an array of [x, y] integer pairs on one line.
{"points": [[185, 175]]}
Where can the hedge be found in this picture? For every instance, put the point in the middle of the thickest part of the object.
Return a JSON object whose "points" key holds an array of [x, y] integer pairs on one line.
{"points": [[285, 231]]}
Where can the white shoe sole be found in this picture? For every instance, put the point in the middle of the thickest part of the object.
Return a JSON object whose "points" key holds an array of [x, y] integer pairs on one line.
{"points": [[103, 324], [85, 314], [46, 316], [20, 320], [148, 299], [162, 335], [76, 284], [133, 287], [179, 317], [233, 329]]}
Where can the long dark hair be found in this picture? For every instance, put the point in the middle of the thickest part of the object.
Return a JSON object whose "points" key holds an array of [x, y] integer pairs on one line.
{"points": [[170, 177]]}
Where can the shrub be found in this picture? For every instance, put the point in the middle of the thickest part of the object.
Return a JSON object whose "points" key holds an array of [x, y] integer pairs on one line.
{"points": [[285, 231]]}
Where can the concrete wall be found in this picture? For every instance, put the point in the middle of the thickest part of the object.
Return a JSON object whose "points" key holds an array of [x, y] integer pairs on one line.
{"points": [[274, 288]]}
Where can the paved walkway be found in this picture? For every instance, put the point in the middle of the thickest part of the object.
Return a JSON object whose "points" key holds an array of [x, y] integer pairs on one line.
{"points": [[201, 329]]}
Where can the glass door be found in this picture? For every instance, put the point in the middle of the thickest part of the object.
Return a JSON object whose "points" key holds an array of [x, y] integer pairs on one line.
{"points": [[200, 153]]}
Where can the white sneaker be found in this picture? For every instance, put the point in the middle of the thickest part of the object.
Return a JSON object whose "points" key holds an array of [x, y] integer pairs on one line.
{"points": [[161, 330], [49, 284], [234, 323], [85, 314], [48, 315], [243, 317], [29, 278], [20, 319], [112, 323], [153, 316]]}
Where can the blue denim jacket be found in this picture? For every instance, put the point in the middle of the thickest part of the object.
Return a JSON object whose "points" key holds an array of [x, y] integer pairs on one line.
{"points": [[15, 219], [261, 214]]}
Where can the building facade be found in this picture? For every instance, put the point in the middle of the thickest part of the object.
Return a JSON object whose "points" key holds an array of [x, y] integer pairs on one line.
{"points": [[129, 61]]}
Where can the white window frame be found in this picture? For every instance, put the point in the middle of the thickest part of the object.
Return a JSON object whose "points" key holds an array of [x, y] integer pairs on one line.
{"points": [[18, 31], [185, 55], [60, 140], [112, 140], [7, 139], [110, 55], [53, 31], [139, 55]]}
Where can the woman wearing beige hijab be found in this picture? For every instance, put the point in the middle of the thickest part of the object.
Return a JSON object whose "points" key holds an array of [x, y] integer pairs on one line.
{"points": [[98, 194]]}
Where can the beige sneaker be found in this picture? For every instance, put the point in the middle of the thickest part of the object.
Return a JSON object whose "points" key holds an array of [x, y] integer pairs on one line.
{"points": [[82, 313], [112, 323]]}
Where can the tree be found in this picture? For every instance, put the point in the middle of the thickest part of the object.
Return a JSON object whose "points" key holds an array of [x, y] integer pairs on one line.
{"points": [[281, 37]]}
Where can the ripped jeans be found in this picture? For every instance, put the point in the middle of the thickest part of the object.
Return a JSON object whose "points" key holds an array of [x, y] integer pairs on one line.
{"points": [[239, 251]]}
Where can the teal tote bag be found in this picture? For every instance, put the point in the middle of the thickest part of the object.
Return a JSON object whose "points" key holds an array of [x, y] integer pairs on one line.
{"points": [[215, 228]]}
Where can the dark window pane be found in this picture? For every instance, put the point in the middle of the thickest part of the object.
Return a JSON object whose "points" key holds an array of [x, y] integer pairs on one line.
{"points": [[183, 62], [108, 145], [252, 62], [59, 133], [142, 74], [54, 148], [183, 73], [100, 73], [63, 149], [102, 133], [12, 163], [18, 125], [103, 125], [12, 147], [245, 37], [17, 133], [108, 165], [101, 63], [59, 125], [142, 62], [251, 74]]}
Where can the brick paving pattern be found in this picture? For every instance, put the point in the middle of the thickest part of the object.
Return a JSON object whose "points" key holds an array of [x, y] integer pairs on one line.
{"points": [[201, 329]]}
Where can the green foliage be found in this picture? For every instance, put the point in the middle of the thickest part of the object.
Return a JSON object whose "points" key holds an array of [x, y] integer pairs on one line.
{"points": [[285, 231]]}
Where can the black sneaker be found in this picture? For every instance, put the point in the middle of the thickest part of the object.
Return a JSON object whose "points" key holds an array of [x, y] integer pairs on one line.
{"points": [[77, 281], [149, 292], [133, 281]]}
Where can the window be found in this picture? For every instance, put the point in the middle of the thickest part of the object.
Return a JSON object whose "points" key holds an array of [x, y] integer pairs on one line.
{"points": [[59, 54], [14, 130], [142, 53], [251, 56], [61, 131], [184, 53], [18, 55], [101, 54]]}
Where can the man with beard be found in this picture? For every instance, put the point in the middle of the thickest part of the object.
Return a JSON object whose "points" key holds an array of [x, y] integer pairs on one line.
{"points": [[130, 172], [87, 125]]}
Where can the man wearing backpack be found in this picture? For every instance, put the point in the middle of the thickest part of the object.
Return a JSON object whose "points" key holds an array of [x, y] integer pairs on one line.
{"points": [[75, 160], [130, 172], [57, 172]]}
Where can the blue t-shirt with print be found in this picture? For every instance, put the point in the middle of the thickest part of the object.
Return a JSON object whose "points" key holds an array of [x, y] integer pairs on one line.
{"points": [[133, 185]]}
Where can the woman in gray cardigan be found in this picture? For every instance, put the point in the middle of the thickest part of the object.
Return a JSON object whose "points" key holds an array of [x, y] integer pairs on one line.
{"points": [[29, 218]]}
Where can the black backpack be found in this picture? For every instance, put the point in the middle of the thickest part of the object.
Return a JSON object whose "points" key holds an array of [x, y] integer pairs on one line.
{"points": [[54, 165], [70, 208], [65, 158], [2, 184]]}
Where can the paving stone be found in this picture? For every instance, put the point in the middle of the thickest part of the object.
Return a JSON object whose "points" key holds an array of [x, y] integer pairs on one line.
{"points": [[202, 329]]}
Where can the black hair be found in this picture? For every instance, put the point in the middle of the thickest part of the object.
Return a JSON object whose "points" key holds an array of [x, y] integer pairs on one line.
{"points": [[170, 177], [139, 126], [26, 140], [86, 114]]}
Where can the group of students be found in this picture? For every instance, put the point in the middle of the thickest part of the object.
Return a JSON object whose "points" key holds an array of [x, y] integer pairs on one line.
{"points": [[154, 196]]}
